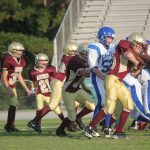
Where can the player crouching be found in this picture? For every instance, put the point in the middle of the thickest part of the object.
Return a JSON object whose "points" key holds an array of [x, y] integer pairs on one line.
{"points": [[76, 72]]}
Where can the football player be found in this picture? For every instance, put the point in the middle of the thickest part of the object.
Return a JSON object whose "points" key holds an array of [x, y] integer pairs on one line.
{"points": [[100, 58], [56, 84], [76, 72], [12, 67], [116, 90], [40, 77], [139, 44], [142, 116]]}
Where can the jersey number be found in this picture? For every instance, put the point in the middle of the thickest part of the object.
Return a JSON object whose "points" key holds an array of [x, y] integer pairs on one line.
{"points": [[44, 86], [106, 64]]}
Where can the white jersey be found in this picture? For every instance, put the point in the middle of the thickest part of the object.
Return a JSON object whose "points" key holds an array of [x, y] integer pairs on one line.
{"points": [[100, 57]]}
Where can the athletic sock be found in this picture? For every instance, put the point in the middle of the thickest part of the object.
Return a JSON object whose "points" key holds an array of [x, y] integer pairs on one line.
{"points": [[97, 118], [83, 112], [123, 118], [42, 113], [61, 116], [11, 116]]}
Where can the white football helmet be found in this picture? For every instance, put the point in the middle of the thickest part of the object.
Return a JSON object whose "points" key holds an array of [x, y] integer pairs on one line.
{"points": [[41, 60], [82, 51], [14, 49], [71, 48]]}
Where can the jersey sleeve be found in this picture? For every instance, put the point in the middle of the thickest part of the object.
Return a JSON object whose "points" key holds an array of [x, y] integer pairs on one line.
{"points": [[93, 56]]}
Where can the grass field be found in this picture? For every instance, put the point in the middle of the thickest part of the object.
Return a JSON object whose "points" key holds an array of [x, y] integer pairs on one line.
{"points": [[27, 139]]}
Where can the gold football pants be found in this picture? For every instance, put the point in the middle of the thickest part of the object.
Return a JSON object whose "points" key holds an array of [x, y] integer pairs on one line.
{"points": [[116, 90]]}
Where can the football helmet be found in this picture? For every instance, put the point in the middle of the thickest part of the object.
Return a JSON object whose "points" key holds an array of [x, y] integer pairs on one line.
{"points": [[71, 48], [103, 33], [82, 51], [41, 60], [138, 41], [136, 38], [14, 49]]}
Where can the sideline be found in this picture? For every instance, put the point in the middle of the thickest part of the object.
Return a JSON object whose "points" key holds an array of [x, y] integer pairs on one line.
{"points": [[30, 114], [26, 115]]}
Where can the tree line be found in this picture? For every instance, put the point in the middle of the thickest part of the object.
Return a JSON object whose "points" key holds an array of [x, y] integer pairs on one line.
{"points": [[34, 23]]}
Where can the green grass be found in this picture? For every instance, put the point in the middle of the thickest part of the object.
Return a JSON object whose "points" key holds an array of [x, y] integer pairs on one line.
{"points": [[27, 139]]}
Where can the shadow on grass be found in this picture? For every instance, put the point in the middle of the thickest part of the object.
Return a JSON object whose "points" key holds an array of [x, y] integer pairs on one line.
{"points": [[47, 132]]}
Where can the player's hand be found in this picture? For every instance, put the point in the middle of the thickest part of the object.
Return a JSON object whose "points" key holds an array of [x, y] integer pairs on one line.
{"points": [[33, 90], [28, 92], [10, 91]]}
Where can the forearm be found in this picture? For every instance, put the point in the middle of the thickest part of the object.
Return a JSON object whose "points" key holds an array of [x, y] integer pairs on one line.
{"points": [[22, 82], [32, 84], [4, 79]]}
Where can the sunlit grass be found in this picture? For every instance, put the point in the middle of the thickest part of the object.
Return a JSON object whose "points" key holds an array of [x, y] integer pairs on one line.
{"points": [[27, 139]]}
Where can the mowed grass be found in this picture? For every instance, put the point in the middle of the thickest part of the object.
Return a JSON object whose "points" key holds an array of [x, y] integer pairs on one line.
{"points": [[27, 139]]}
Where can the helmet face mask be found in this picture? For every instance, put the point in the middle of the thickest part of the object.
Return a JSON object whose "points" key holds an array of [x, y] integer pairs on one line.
{"points": [[106, 36], [41, 60], [137, 41], [16, 49], [71, 49]]}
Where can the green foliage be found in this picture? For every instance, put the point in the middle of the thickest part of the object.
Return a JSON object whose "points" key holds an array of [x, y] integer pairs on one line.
{"points": [[32, 17], [31, 43]]}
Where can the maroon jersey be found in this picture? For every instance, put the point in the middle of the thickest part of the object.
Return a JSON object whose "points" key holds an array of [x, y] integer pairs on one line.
{"points": [[13, 67], [121, 65], [42, 79], [73, 80], [61, 74]]}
